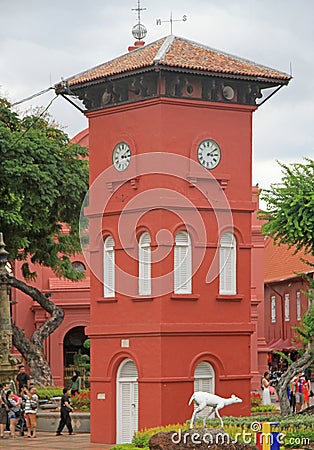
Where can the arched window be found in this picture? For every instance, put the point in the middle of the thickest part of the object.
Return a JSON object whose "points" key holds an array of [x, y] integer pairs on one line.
{"points": [[79, 266], [182, 264], [109, 267], [204, 378], [144, 265], [228, 264]]}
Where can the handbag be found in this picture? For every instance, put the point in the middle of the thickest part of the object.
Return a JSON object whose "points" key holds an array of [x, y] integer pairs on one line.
{"points": [[311, 393], [33, 404]]}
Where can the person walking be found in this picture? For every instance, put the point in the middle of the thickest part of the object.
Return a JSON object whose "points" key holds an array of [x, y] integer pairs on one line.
{"points": [[65, 418], [75, 383], [31, 408]]}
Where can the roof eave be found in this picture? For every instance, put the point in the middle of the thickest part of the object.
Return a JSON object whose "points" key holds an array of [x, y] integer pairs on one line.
{"points": [[162, 67]]}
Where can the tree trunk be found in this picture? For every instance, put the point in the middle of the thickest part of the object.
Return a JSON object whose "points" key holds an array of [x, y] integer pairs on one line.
{"points": [[32, 349], [298, 366]]}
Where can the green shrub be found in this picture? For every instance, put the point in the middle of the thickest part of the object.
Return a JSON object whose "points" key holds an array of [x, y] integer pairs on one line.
{"points": [[128, 447], [295, 439], [45, 393], [263, 408], [294, 426], [141, 438]]}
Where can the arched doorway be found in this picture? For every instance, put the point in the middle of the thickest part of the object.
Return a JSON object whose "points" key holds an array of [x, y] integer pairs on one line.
{"points": [[72, 348], [127, 401]]}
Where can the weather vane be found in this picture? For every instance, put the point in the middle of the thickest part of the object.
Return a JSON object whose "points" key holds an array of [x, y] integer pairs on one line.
{"points": [[139, 31], [159, 21]]}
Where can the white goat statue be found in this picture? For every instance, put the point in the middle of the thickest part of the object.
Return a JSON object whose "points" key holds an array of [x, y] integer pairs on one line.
{"points": [[203, 399]]}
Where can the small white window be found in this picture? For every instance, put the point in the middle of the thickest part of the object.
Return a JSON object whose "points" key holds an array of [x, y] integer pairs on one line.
{"points": [[273, 309], [298, 306], [227, 265], [144, 265], [109, 267], [182, 264], [310, 297], [287, 307]]}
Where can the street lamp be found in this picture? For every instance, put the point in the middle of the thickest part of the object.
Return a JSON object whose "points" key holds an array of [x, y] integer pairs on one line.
{"points": [[8, 367]]}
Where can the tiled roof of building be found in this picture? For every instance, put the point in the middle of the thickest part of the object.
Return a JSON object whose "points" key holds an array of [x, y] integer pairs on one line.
{"points": [[176, 52], [280, 262]]}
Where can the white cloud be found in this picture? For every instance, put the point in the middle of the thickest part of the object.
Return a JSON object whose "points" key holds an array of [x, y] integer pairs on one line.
{"points": [[40, 42]]}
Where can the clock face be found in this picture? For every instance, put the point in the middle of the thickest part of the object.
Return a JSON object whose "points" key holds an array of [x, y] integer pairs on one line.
{"points": [[209, 153], [121, 156]]}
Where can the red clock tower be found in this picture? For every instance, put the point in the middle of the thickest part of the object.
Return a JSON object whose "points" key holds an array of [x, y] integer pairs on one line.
{"points": [[170, 208]]}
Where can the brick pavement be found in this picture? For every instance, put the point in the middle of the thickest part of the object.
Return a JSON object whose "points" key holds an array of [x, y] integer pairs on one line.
{"points": [[49, 441]]}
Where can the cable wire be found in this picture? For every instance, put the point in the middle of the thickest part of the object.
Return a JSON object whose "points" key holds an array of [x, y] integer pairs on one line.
{"points": [[32, 96], [34, 122]]}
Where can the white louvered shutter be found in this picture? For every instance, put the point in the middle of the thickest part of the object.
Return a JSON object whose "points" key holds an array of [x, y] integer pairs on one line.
{"points": [[134, 408], [204, 380], [227, 263], [109, 268], [125, 412], [144, 261], [182, 264]]}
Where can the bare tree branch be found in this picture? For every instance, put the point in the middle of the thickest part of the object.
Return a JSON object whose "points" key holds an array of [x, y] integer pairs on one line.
{"points": [[57, 314]]}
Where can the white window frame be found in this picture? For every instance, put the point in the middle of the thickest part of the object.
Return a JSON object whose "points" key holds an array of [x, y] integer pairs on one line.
{"points": [[273, 308], [144, 265], [109, 267], [228, 264], [287, 307], [182, 263], [298, 304], [310, 298]]}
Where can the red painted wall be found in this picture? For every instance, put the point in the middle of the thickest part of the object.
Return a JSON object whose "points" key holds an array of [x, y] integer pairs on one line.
{"points": [[282, 329], [169, 335], [72, 297]]}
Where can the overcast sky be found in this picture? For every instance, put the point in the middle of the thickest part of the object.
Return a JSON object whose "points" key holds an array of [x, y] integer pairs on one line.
{"points": [[44, 40]]}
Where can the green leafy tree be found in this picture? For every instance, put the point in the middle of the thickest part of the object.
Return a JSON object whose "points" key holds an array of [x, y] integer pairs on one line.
{"points": [[44, 179], [289, 219]]}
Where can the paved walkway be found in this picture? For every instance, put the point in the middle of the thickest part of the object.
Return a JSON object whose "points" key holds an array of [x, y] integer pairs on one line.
{"points": [[48, 441]]}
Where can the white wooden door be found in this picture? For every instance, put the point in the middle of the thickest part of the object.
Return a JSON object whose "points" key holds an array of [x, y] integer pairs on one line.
{"points": [[127, 402]]}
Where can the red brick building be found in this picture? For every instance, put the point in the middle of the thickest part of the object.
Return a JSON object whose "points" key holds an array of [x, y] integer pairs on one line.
{"points": [[170, 209], [284, 299]]}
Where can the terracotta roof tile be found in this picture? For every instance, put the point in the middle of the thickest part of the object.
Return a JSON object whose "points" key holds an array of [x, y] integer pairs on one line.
{"points": [[137, 59], [175, 52], [280, 263]]}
